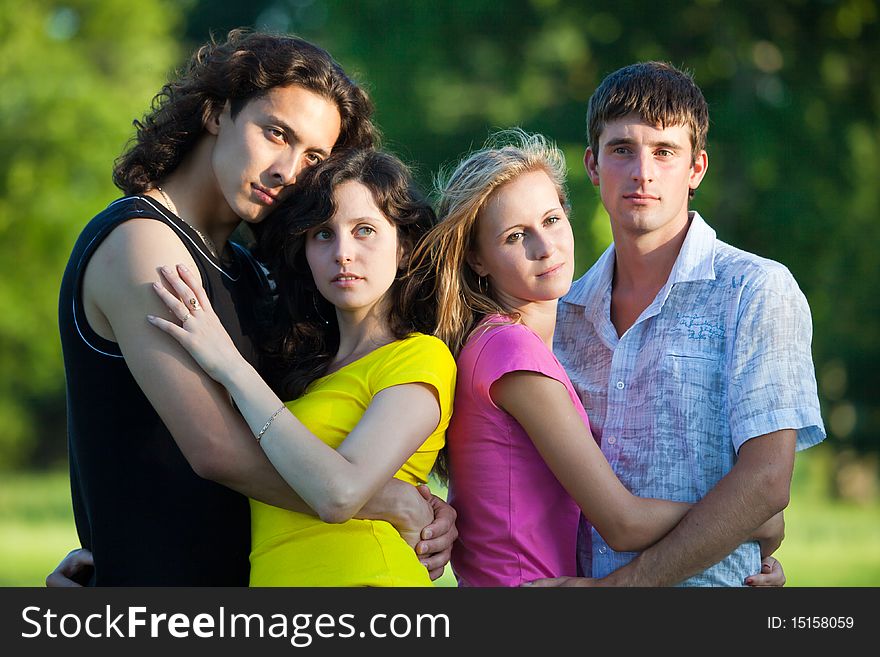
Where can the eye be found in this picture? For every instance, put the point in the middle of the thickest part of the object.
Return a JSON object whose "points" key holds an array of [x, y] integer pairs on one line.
{"points": [[515, 237], [620, 150], [313, 159], [364, 231], [276, 134], [552, 219], [322, 234], [665, 152]]}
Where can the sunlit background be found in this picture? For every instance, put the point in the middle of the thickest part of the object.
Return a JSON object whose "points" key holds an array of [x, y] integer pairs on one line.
{"points": [[794, 150]]}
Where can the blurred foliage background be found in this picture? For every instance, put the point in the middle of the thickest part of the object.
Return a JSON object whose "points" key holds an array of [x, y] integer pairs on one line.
{"points": [[794, 151]]}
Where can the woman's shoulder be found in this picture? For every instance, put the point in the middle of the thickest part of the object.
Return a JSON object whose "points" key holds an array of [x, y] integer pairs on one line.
{"points": [[495, 349], [415, 358], [498, 333], [421, 346]]}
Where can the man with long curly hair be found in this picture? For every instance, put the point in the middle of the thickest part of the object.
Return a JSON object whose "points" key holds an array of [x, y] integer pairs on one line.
{"points": [[161, 462]]}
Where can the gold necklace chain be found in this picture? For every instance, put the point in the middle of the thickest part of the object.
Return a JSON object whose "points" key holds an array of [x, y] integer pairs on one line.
{"points": [[207, 240]]}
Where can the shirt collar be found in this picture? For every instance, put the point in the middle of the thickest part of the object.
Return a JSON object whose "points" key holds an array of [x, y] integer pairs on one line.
{"points": [[695, 262]]}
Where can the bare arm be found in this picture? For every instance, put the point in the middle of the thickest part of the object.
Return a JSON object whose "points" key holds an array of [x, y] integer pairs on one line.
{"points": [[212, 436], [756, 489], [625, 521], [335, 482]]}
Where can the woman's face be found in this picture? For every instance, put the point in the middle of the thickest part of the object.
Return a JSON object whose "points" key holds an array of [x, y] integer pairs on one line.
{"points": [[524, 242], [354, 256]]}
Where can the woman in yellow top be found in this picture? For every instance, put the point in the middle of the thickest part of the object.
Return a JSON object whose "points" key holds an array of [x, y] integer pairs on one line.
{"points": [[371, 391]]}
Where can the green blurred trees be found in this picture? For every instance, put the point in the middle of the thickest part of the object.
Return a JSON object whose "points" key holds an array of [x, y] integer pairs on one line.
{"points": [[794, 145], [73, 75]]}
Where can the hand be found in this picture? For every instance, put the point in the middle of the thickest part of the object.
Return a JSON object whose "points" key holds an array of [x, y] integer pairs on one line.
{"points": [[73, 571], [411, 524], [770, 534], [562, 582], [771, 574], [200, 331], [435, 548]]}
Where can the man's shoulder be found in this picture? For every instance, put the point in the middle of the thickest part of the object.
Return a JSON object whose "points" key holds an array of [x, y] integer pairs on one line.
{"points": [[117, 214], [743, 268], [126, 207]]}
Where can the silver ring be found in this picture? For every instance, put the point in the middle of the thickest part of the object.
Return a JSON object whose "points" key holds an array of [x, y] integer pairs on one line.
{"points": [[184, 318]]}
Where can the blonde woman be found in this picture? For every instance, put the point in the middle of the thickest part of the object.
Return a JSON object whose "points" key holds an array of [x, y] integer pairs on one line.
{"points": [[523, 463]]}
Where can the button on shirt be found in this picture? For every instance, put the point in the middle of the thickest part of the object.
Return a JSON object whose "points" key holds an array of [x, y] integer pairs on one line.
{"points": [[720, 356]]}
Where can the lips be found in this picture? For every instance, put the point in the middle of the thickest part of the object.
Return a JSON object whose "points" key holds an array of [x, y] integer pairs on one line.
{"points": [[265, 196], [551, 270], [346, 279], [641, 197]]}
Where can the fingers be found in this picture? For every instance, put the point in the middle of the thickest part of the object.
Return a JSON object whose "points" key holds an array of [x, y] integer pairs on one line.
{"points": [[195, 285], [444, 519], [182, 290], [56, 580], [182, 302], [771, 575], [175, 305], [437, 538], [177, 332], [441, 544], [435, 563], [77, 559], [425, 492], [435, 548], [72, 566]]}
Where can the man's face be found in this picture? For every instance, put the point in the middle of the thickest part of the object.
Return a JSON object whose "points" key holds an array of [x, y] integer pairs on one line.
{"points": [[644, 173], [258, 154]]}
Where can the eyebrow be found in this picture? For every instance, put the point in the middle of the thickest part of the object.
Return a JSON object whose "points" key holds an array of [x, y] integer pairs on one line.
{"points": [[555, 208], [626, 141], [354, 221], [288, 129]]}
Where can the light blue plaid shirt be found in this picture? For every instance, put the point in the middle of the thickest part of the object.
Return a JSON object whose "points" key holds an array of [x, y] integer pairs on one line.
{"points": [[721, 355]]}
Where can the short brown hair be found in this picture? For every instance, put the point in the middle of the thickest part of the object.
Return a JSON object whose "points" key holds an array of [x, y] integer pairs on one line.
{"points": [[658, 92]]}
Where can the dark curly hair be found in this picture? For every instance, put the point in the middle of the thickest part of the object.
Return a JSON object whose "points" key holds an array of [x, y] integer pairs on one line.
{"points": [[303, 337], [244, 67]]}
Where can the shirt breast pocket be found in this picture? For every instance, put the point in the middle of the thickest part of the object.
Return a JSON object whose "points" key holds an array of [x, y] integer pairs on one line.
{"points": [[697, 378]]}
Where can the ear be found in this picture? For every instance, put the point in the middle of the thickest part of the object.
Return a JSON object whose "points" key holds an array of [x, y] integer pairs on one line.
{"points": [[591, 164], [698, 170], [474, 262], [212, 123]]}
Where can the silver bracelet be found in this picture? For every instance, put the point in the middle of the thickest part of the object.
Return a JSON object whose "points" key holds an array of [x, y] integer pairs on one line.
{"points": [[269, 421]]}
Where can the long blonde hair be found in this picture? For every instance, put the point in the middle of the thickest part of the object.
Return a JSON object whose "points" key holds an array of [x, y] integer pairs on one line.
{"points": [[462, 297]]}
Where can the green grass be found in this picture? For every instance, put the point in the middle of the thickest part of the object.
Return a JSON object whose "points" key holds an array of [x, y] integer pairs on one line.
{"points": [[36, 526], [828, 542]]}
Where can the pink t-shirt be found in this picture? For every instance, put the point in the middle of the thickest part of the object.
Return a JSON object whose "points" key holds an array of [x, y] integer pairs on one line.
{"points": [[515, 520]]}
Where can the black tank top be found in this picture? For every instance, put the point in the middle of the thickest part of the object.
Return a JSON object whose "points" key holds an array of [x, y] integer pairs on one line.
{"points": [[146, 516]]}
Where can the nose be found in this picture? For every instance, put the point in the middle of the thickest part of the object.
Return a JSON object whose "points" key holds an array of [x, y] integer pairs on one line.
{"points": [[542, 246], [287, 167], [643, 167], [343, 253]]}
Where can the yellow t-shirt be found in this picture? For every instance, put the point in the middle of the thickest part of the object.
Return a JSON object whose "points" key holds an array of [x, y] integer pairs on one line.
{"points": [[295, 549]]}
